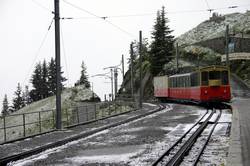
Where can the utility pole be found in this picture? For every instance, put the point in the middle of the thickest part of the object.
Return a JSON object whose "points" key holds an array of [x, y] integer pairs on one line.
{"points": [[122, 67], [131, 69], [115, 80], [58, 66], [93, 96], [112, 96], [177, 58], [140, 63], [227, 49]]}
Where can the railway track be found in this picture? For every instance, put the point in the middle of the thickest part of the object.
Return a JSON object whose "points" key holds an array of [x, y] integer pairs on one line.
{"points": [[15, 157], [180, 149]]}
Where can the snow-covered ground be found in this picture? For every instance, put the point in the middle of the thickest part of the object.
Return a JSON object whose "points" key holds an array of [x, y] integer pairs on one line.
{"points": [[137, 143]]}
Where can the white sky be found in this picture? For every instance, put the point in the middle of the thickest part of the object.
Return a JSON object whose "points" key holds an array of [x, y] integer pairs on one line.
{"points": [[96, 42]]}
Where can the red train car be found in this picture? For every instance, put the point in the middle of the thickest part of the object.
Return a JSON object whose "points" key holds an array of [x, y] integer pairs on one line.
{"points": [[207, 84]]}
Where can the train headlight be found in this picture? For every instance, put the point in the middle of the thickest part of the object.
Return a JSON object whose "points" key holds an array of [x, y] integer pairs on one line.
{"points": [[225, 91], [205, 91]]}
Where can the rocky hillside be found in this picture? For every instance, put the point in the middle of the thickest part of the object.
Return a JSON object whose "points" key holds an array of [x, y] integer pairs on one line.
{"points": [[215, 27], [71, 97]]}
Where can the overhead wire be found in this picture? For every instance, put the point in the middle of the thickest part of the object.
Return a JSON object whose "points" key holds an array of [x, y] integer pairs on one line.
{"points": [[154, 13], [103, 18], [42, 6], [38, 51], [209, 9]]}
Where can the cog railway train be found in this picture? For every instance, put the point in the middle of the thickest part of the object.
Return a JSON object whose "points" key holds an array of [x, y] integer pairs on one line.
{"points": [[205, 85]]}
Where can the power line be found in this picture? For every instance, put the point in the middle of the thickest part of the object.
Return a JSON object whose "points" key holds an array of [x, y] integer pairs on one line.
{"points": [[79, 8], [154, 13], [103, 18], [42, 6], [209, 9], [38, 51]]}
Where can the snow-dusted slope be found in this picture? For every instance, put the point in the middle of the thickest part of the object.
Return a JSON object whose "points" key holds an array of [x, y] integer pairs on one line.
{"points": [[212, 29], [69, 97]]}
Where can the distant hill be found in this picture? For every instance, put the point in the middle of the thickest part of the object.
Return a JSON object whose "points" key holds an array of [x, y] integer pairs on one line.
{"points": [[215, 27]]}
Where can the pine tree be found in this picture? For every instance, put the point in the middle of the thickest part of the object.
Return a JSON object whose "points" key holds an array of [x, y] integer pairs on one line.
{"points": [[52, 77], [36, 80], [26, 96], [84, 77], [18, 102], [44, 80], [162, 44], [5, 108]]}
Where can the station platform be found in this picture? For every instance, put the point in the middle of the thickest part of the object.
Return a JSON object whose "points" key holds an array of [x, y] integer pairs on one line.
{"points": [[239, 151]]}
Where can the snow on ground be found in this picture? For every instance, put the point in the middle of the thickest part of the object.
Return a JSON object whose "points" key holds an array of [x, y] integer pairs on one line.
{"points": [[149, 104], [26, 162], [114, 145], [111, 158], [226, 117], [46, 153]]}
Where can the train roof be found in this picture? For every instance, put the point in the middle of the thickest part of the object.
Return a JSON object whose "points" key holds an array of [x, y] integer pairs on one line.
{"points": [[180, 75], [206, 68], [213, 67]]}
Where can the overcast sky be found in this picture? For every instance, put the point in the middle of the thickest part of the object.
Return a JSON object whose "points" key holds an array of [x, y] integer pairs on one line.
{"points": [[97, 42]]}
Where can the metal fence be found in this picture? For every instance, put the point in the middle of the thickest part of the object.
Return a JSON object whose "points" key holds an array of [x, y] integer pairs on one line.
{"points": [[22, 125]]}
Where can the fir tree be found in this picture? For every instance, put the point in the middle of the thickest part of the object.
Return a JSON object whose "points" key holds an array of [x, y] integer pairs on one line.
{"points": [[5, 108], [52, 77], [44, 79], [84, 77], [26, 96], [18, 102], [162, 44], [36, 80]]}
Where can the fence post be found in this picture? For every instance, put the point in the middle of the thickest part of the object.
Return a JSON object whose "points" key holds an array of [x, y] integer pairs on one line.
{"points": [[40, 124], [115, 108], [87, 114], [24, 134], [77, 113], [67, 116], [53, 114], [4, 128], [109, 108], [95, 112]]}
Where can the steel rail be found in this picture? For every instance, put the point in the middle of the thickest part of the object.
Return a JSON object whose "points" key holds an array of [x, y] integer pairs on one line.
{"points": [[207, 140], [178, 157], [177, 142]]}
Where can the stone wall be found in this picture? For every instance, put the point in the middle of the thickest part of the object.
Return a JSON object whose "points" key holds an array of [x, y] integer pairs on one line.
{"points": [[218, 44]]}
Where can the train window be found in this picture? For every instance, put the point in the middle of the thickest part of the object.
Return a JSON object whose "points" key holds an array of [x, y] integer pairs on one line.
{"points": [[184, 81], [174, 82], [188, 81], [204, 78], [224, 77], [180, 81], [214, 75], [195, 79]]}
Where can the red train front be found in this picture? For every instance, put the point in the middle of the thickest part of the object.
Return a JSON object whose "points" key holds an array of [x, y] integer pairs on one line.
{"points": [[207, 84]]}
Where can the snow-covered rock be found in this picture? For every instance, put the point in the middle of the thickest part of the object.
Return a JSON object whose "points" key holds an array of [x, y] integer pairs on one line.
{"points": [[210, 29]]}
